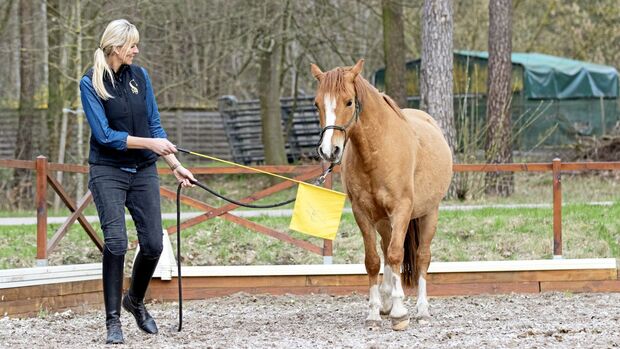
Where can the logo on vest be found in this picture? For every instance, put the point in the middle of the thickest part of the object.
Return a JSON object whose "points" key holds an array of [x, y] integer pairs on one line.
{"points": [[134, 86]]}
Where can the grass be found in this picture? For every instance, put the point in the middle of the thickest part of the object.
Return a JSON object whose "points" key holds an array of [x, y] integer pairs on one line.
{"points": [[510, 234], [483, 234]]}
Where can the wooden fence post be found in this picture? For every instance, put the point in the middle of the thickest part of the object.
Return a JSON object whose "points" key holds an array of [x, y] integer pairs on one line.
{"points": [[41, 168], [557, 209]]}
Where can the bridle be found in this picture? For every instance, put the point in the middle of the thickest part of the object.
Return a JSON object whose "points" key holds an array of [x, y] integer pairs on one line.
{"points": [[354, 118]]}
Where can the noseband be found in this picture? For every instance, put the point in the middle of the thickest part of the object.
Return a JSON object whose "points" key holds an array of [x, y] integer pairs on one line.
{"points": [[354, 118]]}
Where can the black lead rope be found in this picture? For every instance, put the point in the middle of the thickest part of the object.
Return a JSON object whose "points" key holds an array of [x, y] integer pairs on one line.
{"points": [[241, 203], [179, 256], [319, 181]]}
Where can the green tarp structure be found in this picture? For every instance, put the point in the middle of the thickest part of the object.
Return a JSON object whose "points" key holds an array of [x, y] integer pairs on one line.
{"points": [[551, 77], [556, 100]]}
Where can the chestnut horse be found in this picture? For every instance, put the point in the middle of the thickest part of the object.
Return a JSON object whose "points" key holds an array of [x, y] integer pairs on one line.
{"points": [[396, 168]]}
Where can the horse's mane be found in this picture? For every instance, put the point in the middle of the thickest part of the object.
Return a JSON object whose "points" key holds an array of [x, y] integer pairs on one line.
{"points": [[334, 80]]}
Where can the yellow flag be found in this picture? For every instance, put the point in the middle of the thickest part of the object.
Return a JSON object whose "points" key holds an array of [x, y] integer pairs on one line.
{"points": [[317, 211]]}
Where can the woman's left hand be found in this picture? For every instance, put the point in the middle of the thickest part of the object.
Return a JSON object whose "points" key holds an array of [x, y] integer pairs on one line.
{"points": [[184, 176]]}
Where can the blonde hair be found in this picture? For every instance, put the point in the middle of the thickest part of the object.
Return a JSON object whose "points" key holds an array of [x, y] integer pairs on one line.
{"points": [[118, 34]]}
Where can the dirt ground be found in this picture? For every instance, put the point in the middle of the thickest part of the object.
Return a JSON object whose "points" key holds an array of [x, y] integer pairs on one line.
{"points": [[550, 320]]}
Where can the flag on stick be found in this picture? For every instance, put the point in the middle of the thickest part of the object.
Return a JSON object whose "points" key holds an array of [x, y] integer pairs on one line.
{"points": [[317, 211]]}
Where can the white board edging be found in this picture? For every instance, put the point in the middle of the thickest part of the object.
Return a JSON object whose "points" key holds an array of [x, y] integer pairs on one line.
{"points": [[435, 267]]}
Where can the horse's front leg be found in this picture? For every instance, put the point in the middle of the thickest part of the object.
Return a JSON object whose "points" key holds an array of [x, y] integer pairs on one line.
{"points": [[395, 253], [372, 262], [385, 290]]}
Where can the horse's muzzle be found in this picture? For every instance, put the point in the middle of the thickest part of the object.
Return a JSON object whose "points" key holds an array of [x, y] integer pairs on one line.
{"points": [[334, 156], [331, 152]]}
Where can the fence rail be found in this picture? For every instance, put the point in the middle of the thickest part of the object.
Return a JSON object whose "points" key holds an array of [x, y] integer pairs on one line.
{"points": [[43, 168]]}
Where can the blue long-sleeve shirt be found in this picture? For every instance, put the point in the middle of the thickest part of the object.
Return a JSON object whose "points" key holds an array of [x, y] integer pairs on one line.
{"points": [[95, 114]]}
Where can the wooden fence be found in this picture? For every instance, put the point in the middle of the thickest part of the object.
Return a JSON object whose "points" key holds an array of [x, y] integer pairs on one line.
{"points": [[197, 129], [45, 179], [303, 173], [232, 133], [243, 124]]}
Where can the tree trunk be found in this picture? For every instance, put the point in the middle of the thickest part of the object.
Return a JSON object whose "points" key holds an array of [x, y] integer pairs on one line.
{"points": [[499, 137], [79, 70], [42, 76], [269, 95], [436, 78], [22, 183], [269, 90], [57, 105], [394, 49], [55, 99]]}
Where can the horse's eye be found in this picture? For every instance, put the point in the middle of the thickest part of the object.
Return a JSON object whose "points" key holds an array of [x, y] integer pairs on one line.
{"points": [[349, 103]]}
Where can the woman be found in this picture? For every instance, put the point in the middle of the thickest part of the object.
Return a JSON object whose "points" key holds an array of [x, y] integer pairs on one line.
{"points": [[126, 139]]}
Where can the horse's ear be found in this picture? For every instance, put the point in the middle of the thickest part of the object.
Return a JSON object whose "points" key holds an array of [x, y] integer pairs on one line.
{"points": [[357, 68], [316, 71]]}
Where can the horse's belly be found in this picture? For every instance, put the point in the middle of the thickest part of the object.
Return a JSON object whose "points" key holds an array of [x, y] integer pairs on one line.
{"points": [[430, 187], [419, 173]]}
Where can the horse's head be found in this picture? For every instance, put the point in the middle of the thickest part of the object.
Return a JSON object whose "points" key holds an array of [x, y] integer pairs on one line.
{"points": [[338, 106]]}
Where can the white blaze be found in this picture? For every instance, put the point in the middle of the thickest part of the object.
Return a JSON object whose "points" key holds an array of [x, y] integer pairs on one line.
{"points": [[330, 120]]}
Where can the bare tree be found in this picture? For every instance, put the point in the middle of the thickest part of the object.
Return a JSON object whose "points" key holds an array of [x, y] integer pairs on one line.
{"points": [[55, 99], [498, 147], [394, 49], [268, 47], [197, 51], [22, 184], [436, 78], [9, 49]]}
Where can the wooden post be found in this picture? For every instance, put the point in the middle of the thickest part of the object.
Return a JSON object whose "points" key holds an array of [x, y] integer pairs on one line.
{"points": [[41, 168], [557, 209], [328, 246]]}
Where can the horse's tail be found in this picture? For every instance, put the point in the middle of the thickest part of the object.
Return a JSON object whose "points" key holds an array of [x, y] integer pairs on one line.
{"points": [[412, 240]]}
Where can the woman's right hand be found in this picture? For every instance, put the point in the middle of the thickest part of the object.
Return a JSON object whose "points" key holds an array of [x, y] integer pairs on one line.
{"points": [[161, 146]]}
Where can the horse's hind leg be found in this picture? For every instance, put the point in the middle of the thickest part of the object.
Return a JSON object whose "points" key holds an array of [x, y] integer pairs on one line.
{"points": [[372, 262], [428, 225]]}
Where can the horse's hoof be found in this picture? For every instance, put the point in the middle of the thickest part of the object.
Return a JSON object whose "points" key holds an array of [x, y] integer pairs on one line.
{"points": [[384, 312], [372, 325], [423, 320], [401, 323]]}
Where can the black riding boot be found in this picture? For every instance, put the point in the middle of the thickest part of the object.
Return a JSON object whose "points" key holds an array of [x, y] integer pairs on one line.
{"points": [[133, 301], [112, 291]]}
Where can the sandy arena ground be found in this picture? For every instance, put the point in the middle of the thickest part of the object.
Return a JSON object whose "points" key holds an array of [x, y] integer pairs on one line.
{"points": [[551, 320]]}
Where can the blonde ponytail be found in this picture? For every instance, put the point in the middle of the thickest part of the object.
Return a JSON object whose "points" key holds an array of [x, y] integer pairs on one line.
{"points": [[100, 67], [118, 34]]}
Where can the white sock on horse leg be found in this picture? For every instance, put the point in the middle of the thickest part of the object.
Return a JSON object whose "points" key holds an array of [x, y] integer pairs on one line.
{"points": [[374, 302], [422, 302], [386, 290], [398, 295]]}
